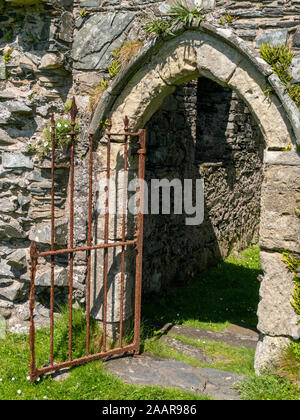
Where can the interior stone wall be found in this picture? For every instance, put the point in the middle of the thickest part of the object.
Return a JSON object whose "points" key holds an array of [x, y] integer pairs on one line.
{"points": [[202, 131]]}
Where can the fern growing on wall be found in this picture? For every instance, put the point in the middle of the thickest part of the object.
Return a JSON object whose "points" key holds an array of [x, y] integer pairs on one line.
{"points": [[280, 58]]}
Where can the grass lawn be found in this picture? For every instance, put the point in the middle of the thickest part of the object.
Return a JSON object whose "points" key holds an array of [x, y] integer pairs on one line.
{"points": [[228, 293], [87, 382], [222, 295]]}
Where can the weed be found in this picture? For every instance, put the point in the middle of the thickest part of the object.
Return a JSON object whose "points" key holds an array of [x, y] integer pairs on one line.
{"points": [[7, 55], [289, 363], [293, 263], [67, 106], [62, 137], [97, 93], [83, 13], [8, 36], [227, 19], [30, 148], [181, 14], [288, 148], [158, 27], [177, 14], [127, 51], [114, 69], [280, 59]]}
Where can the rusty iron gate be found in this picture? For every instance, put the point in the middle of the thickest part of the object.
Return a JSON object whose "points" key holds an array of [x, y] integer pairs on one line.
{"points": [[137, 241]]}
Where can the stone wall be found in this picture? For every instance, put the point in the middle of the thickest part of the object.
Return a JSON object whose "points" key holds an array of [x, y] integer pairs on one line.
{"points": [[35, 81]]}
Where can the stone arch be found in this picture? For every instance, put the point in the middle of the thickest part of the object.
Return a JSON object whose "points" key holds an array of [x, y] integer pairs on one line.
{"points": [[210, 52], [219, 55]]}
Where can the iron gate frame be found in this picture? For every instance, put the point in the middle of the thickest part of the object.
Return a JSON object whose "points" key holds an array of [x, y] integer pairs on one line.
{"points": [[137, 241]]}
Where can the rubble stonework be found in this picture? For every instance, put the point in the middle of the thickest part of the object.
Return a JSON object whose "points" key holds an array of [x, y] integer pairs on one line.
{"points": [[50, 52]]}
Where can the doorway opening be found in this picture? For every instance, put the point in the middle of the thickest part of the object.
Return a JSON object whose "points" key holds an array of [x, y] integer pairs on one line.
{"points": [[205, 131]]}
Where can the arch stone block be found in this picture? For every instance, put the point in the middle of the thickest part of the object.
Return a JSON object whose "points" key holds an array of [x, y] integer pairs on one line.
{"points": [[251, 85], [280, 224], [275, 312], [216, 62]]}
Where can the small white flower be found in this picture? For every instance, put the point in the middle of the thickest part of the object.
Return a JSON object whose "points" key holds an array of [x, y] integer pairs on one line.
{"points": [[38, 379], [45, 144], [28, 378], [58, 124], [12, 379], [50, 129], [66, 125], [1, 379], [19, 392], [45, 397]]}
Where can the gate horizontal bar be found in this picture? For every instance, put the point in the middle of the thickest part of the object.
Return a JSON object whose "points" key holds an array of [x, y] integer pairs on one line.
{"points": [[126, 134], [82, 360], [86, 248]]}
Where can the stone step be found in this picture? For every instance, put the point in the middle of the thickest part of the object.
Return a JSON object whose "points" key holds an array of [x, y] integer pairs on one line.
{"points": [[189, 350], [233, 336], [153, 371]]}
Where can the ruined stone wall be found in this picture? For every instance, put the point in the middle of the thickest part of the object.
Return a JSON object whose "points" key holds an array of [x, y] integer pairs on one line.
{"points": [[50, 52], [202, 131], [35, 80]]}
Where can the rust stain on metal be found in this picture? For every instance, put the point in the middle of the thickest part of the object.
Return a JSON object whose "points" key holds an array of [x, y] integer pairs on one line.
{"points": [[137, 241]]}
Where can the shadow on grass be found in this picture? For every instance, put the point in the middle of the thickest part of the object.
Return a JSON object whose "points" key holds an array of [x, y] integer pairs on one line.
{"points": [[228, 293]]}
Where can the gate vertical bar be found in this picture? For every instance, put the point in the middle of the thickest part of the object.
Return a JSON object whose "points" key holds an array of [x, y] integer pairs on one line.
{"points": [[33, 258], [73, 117], [106, 232], [52, 240], [126, 124], [139, 236], [88, 287]]}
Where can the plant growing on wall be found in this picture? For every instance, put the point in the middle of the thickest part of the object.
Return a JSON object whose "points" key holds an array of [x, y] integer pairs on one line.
{"points": [[289, 364], [127, 51], [62, 137], [121, 57], [293, 263], [280, 59], [227, 19], [158, 27], [181, 14], [177, 14], [97, 93]]}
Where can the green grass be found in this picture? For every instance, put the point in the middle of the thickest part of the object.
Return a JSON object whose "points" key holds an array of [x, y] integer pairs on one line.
{"points": [[87, 382], [269, 387], [228, 293]]}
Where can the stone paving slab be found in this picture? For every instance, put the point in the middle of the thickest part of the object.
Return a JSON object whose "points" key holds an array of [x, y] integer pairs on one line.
{"points": [[233, 339], [148, 370], [189, 350]]}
